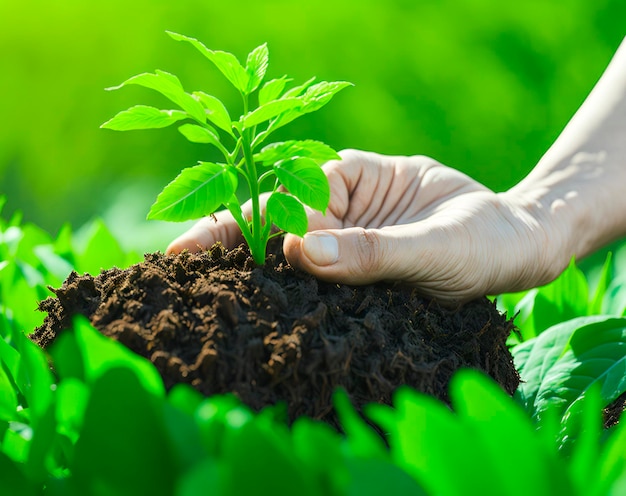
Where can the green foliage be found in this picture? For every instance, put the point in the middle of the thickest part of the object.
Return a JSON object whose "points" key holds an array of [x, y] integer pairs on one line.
{"points": [[201, 190], [31, 260], [567, 297], [102, 423], [566, 361]]}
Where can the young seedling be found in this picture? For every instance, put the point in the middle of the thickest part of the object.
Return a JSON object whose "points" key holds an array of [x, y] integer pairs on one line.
{"points": [[201, 190]]}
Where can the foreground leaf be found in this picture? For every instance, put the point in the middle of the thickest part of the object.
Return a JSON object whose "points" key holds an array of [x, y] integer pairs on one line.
{"points": [[561, 364], [123, 449], [196, 192]]}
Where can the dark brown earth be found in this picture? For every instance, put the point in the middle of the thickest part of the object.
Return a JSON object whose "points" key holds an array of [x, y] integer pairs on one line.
{"points": [[614, 411], [274, 334]]}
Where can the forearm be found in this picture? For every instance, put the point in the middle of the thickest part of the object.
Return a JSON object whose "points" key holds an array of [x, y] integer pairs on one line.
{"points": [[577, 192]]}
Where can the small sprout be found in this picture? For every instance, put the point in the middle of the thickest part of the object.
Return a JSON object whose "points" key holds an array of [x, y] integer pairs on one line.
{"points": [[203, 189]]}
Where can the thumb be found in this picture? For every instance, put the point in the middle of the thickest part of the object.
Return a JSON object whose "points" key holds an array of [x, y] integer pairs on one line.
{"points": [[351, 255]]}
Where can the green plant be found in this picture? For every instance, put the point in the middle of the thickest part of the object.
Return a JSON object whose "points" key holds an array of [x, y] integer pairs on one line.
{"points": [[103, 423], [201, 190]]}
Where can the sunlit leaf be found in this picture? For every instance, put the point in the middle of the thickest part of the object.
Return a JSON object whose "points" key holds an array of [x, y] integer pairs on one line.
{"points": [[315, 150], [216, 111], [272, 90], [256, 67], [199, 134], [269, 111], [169, 86], [226, 62], [143, 117], [287, 213], [196, 192], [304, 179]]}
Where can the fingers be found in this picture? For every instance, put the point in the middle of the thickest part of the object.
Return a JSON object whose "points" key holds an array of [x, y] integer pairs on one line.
{"points": [[206, 232], [352, 255]]}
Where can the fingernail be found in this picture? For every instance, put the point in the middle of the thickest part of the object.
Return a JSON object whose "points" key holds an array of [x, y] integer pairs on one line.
{"points": [[322, 249]]}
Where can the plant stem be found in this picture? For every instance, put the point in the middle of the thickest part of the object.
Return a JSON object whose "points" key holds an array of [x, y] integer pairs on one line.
{"points": [[257, 248]]}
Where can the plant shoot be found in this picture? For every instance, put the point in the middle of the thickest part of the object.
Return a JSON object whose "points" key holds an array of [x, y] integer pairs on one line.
{"points": [[201, 190]]}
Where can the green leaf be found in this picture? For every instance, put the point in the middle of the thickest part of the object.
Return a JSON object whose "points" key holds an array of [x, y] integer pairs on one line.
{"points": [[143, 117], [595, 305], [319, 448], [256, 67], [287, 213], [561, 364], [100, 250], [272, 89], [362, 439], [261, 449], [315, 150], [196, 192], [315, 97], [563, 299], [371, 476], [14, 482], [491, 416], [612, 464], [269, 111], [34, 378], [321, 93], [226, 62], [420, 431], [298, 90], [123, 449], [216, 111], [200, 134], [202, 475], [98, 354], [72, 398], [169, 86], [304, 179], [8, 397]]}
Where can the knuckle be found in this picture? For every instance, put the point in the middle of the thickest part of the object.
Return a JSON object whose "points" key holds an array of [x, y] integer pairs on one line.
{"points": [[369, 248]]}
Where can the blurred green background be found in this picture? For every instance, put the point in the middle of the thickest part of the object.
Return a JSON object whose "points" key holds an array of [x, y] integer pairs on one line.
{"points": [[484, 86]]}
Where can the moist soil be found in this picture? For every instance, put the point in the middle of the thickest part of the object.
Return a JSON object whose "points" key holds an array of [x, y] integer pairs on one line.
{"points": [[272, 334]]}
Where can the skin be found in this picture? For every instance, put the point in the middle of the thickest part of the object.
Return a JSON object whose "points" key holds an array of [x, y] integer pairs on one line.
{"points": [[416, 221]]}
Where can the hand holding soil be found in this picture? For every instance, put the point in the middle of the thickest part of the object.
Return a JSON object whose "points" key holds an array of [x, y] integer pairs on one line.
{"points": [[413, 220], [408, 219]]}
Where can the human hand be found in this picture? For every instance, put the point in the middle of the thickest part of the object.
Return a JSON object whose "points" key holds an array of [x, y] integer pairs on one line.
{"points": [[410, 220]]}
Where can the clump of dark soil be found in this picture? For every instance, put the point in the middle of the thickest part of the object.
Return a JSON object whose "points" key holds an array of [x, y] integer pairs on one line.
{"points": [[613, 412], [274, 334]]}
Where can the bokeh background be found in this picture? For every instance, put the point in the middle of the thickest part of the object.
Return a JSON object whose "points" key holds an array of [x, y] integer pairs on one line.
{"points": [[484, 86]]}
